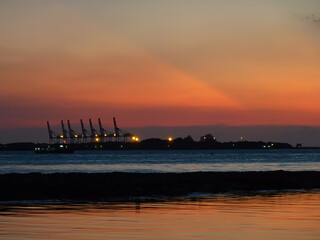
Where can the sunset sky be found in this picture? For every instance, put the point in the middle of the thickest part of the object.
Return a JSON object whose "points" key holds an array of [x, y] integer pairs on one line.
{"points": [[160, 63]]}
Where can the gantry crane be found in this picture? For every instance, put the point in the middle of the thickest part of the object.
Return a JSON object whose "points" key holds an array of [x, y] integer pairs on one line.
{"points": [[52, 135], [64, 132], [74, 137], [85, 133], [104, 134], [94, 134], [121, 134], [70, 136]]}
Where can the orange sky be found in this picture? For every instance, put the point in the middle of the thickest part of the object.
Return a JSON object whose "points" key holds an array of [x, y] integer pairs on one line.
{"points": [[160, 63]]}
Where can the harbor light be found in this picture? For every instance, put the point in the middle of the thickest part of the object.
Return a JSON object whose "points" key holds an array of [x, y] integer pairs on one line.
{"points": [[97, 139], [135, 139], [115, 135], [61, 136], [105, 134], [76, 136], [170, 139]]}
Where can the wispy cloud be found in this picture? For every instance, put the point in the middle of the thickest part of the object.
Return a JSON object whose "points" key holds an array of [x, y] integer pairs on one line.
{"points": [[312, 18]]}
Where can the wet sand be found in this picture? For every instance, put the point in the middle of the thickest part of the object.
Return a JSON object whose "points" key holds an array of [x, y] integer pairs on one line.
{"points": [[126, 186]]}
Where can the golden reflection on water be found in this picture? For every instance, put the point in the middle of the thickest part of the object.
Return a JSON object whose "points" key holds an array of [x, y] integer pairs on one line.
{"points": [[293, 215]]}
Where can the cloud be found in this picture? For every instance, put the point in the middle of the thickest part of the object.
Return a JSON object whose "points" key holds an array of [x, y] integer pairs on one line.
{"points": [[312, 18]]}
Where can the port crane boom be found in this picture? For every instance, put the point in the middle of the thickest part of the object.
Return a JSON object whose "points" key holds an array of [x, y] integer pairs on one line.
{"points": [[103, 132], [72, 134], [94, 133], [121, 134], [84, 131], [52, 135], [102, 135], [64, 131]]}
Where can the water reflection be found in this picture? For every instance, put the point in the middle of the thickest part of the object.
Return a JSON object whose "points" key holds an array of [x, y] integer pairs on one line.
{"points": [[291, 215], [98, 168]]}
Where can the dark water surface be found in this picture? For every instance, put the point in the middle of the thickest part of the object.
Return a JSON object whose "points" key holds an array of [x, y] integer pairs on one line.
{"points": [[161, 161], [287, 215]]}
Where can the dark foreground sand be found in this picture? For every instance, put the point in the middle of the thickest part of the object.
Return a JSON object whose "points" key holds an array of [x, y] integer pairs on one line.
{"points": [[112, 186]]}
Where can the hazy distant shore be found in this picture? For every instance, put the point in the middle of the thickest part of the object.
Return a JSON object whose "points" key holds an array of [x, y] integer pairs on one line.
{"points": [[156, 144], [110, 186]]}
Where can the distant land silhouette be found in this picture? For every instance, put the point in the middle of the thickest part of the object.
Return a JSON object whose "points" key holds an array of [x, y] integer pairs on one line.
{"points": [[306, 135], [207, 142]]}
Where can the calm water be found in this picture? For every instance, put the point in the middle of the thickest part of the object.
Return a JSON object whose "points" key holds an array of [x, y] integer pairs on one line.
{"points": [[160, 161], [293, 215], [290, 215]]}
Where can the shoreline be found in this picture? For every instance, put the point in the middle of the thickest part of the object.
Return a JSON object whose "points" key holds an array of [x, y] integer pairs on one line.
{"points": [[155, 144], [126, 186]]}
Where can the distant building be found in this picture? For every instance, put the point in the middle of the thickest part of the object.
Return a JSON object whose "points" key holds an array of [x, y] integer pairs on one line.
{"points": [[208, 138]]}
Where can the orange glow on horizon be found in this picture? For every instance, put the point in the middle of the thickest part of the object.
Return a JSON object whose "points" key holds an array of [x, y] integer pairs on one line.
{"points": [[264, 71]]}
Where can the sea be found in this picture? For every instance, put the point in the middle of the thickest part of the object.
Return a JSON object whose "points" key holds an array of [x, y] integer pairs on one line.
{"points": [[161, 161], [287, 214]]}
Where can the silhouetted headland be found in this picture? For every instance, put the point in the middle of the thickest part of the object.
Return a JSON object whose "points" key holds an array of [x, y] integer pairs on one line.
{"points": [[156, 144], [126, 186]]}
